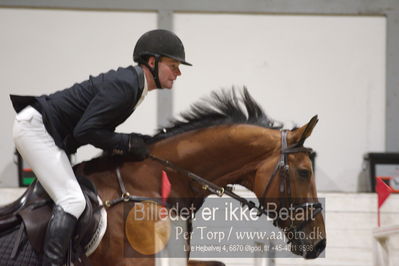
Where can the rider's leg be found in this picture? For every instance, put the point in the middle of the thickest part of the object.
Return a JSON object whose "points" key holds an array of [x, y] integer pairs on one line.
{"points": [[54, 172]]}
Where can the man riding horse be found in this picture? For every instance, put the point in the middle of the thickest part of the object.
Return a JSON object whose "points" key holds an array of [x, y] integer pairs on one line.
{"points": [[49, 127]]}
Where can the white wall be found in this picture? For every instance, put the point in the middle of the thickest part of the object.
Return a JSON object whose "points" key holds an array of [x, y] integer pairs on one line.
{"points": [[296, 67], [42, 51]]}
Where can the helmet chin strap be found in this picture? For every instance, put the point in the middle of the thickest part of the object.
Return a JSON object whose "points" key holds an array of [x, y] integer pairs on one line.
{"points": [[154, 71]]}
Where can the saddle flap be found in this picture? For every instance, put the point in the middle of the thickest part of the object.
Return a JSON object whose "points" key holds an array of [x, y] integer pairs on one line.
{"points": [[35, 221]]}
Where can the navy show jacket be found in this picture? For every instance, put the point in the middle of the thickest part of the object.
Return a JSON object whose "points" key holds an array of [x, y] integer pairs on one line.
{"points": [[88, 112]]}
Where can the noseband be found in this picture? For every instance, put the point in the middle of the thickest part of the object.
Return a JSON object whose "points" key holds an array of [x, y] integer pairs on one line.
{"points": [[282, 168]]}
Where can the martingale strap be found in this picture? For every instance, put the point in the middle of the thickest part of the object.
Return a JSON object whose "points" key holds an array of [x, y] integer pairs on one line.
{"points": [[125, 197]]}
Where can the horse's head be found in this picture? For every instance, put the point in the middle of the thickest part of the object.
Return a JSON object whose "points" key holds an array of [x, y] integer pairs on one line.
{"points": [[285, 186]]}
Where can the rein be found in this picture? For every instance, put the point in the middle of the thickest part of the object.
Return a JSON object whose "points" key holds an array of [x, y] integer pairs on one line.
{"points": [[206, 185], [282, 168]]}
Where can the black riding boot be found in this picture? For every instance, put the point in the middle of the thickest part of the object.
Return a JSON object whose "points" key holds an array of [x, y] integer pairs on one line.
{"points": [[58, 236]]}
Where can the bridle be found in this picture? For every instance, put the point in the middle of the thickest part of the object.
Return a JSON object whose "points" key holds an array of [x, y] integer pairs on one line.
{"points": [[282, 168]]}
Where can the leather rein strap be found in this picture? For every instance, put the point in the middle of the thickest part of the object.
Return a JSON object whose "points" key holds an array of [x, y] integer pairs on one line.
{"points": [[206, 185]]}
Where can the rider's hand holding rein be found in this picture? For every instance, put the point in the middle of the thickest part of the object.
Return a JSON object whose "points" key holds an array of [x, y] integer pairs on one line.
{"points": [[137, 149]]}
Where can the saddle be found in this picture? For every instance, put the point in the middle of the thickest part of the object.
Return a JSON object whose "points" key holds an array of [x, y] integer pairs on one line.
{"points": [[32, 212]]}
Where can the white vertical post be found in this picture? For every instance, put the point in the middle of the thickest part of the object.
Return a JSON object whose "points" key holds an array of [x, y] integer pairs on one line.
{"points": [[384, 243]]}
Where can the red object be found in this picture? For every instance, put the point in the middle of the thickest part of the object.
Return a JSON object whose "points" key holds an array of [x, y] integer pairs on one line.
{"points": [[166, 187], [383, 191]]}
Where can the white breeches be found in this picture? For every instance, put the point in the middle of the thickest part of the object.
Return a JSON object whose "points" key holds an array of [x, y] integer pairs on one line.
{"points": [[49, 163]]}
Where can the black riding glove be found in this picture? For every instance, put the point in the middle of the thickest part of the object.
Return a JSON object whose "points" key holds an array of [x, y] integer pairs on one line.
{"points": [[137, 149]]}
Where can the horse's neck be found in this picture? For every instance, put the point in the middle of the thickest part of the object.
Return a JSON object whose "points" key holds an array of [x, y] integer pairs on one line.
{"points": [[222, 154]]}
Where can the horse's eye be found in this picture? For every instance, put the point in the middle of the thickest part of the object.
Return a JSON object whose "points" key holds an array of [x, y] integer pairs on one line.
{"points": [[303, 173]]}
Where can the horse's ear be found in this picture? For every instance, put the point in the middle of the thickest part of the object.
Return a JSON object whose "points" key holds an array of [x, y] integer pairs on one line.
{"points": [[300, 134]]}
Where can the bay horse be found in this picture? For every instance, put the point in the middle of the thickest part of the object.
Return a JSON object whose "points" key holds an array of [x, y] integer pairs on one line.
{"points": [[227, 139]]}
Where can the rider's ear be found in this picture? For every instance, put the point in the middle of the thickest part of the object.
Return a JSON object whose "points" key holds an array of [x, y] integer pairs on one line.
{"points": [[299, 135], [151, 61]]}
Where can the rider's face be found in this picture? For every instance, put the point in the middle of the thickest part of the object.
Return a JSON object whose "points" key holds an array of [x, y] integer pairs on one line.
{"points": [[168, 70]]}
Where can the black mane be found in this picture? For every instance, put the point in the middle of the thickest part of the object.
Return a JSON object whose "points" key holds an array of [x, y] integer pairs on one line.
{"points": [[221, 108]]}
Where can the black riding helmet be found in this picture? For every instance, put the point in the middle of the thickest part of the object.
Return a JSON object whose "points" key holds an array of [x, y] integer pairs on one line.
{"points": [[158, 43]]}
